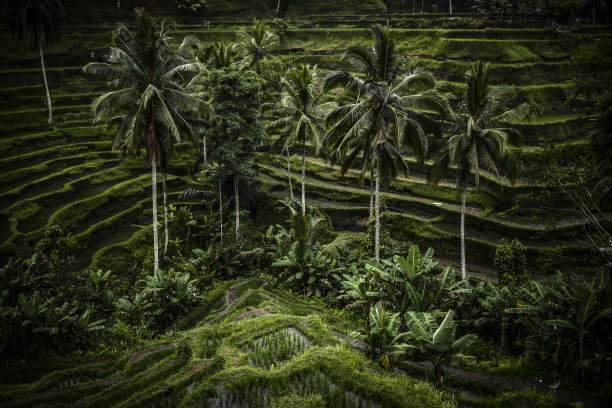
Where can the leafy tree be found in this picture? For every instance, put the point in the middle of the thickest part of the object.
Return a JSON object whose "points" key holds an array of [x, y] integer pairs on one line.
{"points": [[478, 136], [427, 341], [383, 117], [256, 44], [299, 114], [37, 20], [150, 105], [510, 261], [238, 130]]}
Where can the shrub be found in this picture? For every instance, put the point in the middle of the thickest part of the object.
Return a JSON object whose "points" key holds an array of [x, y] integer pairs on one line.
{"points": [[510, 261]]}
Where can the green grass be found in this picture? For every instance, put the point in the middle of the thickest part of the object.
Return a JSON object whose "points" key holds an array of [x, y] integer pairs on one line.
{"points": [[187, 372]]}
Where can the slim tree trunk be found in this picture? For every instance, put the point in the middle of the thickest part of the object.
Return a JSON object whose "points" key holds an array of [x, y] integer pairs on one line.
{"points": [[118, 3], [422, 5], [377, 209], [221, 208], [413, 6], [44, 72], [303, 175], [237, 204], [289, 174], [371, 194], [277, 7], [154, 198], [165, 210], [462, 228], [450, 6]]}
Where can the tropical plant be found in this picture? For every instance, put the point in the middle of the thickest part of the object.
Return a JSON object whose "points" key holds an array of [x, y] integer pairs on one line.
{"points": [[219, 55], [150, 106], [478, 136], [382, 335], [409, 284], [299, 115], [495, 308], [165, 297], [426, 340], [567, 320], [297, 250], [510, 261], [361, 291], [256, 44], [384, 117], [600, 134], [37, 19], [238, 131]]}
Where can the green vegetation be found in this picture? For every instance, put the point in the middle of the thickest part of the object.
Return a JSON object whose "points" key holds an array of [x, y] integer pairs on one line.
{"points": [[334, 305]]}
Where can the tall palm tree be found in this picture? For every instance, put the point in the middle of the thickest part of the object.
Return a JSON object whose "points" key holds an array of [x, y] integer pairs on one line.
{"points": [[478, 136], [37, 19], [256, 44], [299, 114], [386, 116], [150, 105]]}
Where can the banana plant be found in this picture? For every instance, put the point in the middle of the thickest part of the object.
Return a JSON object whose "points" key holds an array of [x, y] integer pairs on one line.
{"points": [[594, 303], [425, 340], [495, 308], [382, 333], [408, 283], [361, 292]]}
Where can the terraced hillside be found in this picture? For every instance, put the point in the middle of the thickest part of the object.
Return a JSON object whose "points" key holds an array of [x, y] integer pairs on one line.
{"points": [[260, 347], [68, 175]]}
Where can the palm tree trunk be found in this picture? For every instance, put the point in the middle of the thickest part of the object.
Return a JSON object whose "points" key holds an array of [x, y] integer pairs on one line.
{"points": [[44, 72], [220, 209], [377, 209], [462, 228], [165, 210], [450, 6], [237, 204], [154, 198], [118, 3], [422, 5], [289, 174], [303, 175], [371, 194], [277, 7]]}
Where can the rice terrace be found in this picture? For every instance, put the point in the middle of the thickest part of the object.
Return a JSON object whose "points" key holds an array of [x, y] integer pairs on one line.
{"points": [[292, 203]]}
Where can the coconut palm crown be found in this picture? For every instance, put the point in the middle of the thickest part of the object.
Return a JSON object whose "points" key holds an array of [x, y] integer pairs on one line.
{"points": [[150, 105], [479, 134], [388, 112]]}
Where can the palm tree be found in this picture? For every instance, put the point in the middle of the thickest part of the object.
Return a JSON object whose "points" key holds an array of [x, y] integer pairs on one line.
{"points": [[37, 19], [600, 134], [479, 136], [220, 55], [256, 44], [299, 115], [384, 116], [149, 105]]}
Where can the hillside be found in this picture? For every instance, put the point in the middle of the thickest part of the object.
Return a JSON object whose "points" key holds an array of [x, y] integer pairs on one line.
{"points": [[68, 175]]}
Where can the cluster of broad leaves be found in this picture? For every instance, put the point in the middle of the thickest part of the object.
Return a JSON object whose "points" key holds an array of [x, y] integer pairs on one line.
{"points": [[306, 265], [413, 312]]}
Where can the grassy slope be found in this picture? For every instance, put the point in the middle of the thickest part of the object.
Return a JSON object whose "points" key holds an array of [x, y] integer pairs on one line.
{"points": [[38, 162], [210, 362]]}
